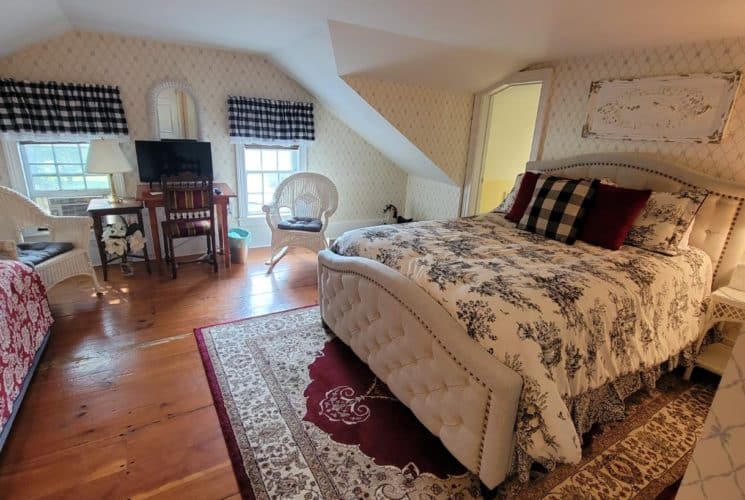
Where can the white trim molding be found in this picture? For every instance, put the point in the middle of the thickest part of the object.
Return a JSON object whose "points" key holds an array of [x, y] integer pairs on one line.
{"points": [[480, 122], [59, 137], [16, 175]]}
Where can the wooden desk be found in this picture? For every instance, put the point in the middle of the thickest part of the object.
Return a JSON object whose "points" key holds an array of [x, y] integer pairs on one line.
{"points": [[152, 200]]}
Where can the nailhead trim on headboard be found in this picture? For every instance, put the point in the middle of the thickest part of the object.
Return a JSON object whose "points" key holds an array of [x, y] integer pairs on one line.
{"points": [[673, 178]]}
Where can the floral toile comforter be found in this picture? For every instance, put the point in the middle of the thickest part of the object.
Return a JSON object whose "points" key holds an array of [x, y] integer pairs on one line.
{"points": [[568, 319], [24, 322]]}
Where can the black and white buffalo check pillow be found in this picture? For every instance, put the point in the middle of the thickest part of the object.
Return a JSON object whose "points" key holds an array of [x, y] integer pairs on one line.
{"points": [[557, 207]]}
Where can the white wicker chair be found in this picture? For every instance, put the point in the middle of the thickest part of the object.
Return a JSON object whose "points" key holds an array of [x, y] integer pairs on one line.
{"points": [[307, 195], [18, 213]]}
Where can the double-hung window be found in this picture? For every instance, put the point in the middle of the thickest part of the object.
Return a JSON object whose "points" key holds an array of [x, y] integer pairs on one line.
{"points": [[260, 170], [56, 176]]}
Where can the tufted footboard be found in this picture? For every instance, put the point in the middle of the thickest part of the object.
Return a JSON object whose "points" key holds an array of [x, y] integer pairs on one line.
{"points": [[455, 388]]}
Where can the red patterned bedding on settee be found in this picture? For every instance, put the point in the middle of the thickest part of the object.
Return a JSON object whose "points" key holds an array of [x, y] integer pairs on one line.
{"points": [[24, 321]]}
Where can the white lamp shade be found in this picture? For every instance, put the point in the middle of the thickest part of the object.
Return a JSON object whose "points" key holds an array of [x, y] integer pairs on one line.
{"points": [[106, 157]]}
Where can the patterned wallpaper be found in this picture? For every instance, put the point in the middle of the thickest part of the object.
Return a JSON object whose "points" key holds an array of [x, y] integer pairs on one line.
{"points": [[366, 179], [717, 469], [568, 106], [427, 199], [437, 121]]}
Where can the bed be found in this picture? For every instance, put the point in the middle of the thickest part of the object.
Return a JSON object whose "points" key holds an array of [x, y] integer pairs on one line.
{"points": [[509, 346], [25, 320]]}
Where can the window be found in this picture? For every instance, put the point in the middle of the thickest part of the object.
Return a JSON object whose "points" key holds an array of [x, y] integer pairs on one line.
{"points": [[56, 178], [260, 170]]}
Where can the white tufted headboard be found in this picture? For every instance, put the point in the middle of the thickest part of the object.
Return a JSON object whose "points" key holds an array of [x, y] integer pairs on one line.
{"points": [[720, 224]]}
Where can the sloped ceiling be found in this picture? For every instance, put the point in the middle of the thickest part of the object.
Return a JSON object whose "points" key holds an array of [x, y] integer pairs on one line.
{"points": [[311, 62], [489, 30], [461, 45], [382, 55], [436, 121], [23, 23]]}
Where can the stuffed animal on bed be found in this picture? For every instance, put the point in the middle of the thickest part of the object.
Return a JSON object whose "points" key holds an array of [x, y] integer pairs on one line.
{"points": [[392, 208]]}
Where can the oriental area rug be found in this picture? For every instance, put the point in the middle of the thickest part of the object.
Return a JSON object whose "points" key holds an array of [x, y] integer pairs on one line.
{"points": [[303, 417]]}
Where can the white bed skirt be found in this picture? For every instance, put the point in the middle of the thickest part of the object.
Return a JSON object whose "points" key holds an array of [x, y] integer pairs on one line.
{"points": [[460, 392]]}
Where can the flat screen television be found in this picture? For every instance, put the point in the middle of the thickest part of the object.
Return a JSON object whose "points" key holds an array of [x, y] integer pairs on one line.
{"points": [[172, 157]]}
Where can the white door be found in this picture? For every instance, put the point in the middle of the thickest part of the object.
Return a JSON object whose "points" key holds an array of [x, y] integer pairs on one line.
{"points": [[507, 132]]}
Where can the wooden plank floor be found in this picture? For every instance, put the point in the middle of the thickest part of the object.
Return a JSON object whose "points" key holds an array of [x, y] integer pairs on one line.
{"points": [[120, 407]]}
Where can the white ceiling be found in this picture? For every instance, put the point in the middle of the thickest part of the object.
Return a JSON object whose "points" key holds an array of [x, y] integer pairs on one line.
{"points": [[459, 44], [23, 23], [487, 34]]}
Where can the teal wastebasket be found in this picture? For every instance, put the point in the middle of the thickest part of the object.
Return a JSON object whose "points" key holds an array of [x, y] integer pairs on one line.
{"points": [[239, 239]]}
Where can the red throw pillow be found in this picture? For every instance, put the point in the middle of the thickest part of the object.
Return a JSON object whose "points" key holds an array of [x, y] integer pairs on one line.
{"points": [[611, 214], [524, 195]]}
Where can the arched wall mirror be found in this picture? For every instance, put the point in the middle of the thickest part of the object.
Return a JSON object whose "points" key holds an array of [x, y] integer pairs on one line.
{"points": [[174, 112]]}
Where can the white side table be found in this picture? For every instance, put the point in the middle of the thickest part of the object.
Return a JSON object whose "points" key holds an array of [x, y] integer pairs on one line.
{"points": [[727, 304]]}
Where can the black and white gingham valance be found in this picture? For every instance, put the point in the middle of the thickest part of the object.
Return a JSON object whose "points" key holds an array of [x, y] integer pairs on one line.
{"points": [[33, 110], [252, 119]]}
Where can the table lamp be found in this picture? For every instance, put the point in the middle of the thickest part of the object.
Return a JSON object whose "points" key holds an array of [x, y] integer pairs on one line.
{"points": [[106, 157]]}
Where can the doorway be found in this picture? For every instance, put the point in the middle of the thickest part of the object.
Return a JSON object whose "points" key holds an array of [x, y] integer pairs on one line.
{"points": [[507, 134]]}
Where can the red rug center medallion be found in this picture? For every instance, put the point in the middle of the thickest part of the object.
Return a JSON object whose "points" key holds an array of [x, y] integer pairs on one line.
{"points": [[354, 407]]}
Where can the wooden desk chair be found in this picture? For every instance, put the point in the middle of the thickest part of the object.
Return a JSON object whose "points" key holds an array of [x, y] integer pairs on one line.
{"points": [[190, 211]]}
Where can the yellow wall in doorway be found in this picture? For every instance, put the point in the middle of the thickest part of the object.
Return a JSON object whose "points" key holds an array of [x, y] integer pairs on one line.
{"points": [[492, 193], [509, 138]]}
